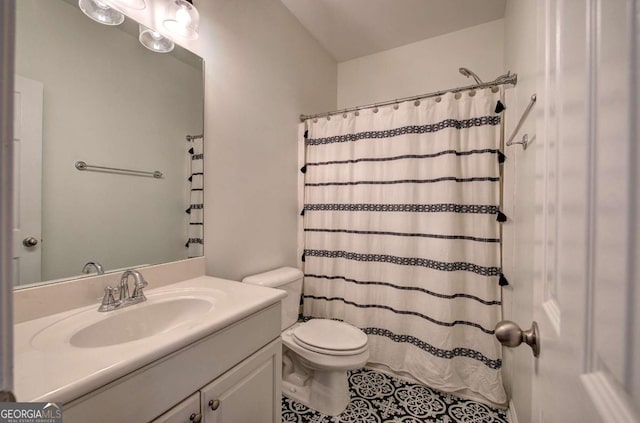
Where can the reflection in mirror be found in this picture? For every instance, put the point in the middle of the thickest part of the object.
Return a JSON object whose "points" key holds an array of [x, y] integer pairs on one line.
{"points": [[90, 92]]}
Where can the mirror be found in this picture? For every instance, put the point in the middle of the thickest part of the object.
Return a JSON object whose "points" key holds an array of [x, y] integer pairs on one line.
{"points": [[104, 99]]}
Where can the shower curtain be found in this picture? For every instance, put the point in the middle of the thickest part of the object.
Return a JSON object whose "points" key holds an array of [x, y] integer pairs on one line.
{"points": [[401, 238]]}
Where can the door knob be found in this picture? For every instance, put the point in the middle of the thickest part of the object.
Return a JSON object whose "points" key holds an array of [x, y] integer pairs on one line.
{"points": [[510, 335], [30, 241], [214, 404]]}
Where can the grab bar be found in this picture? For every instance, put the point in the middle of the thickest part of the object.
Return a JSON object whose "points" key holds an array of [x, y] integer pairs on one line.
{"points": [[80, 165], [525, 139]]}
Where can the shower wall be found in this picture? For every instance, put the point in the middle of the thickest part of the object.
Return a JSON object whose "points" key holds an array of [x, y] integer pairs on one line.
{"points": [[424, 66]]}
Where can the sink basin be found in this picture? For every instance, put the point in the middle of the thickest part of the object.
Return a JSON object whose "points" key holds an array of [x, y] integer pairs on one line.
{"points": [[161, 313], [140, 322]]}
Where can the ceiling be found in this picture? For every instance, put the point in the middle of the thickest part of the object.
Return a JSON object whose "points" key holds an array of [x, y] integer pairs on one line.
{"points": [[355, 28]]}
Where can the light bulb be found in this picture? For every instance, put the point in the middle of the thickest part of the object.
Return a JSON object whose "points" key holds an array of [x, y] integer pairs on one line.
{"points": [[183, 17], [154, 41], [101, 12], [101, 5]]}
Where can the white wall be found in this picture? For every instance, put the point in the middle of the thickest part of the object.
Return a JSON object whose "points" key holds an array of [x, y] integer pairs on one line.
{"points": [[519, 199], [422, 67], [262, 69], [107, 101]]}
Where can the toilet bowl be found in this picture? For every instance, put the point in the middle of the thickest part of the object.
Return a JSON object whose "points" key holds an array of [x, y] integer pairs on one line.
{"points": [[317, 354]]}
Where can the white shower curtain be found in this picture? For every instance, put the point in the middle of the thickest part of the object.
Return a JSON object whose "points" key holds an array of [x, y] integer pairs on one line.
{"points": [[401, 238]]}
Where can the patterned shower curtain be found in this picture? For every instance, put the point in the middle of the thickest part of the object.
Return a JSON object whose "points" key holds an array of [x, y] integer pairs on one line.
{"points": [[401, 237]]}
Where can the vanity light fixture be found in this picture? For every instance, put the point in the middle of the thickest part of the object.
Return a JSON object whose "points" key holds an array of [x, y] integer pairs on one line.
{"points": [[154, 41], [101, 12], [130, 4], [182, 18]]}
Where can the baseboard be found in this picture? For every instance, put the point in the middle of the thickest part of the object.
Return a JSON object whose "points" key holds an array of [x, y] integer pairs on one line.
{"points": [[513, 416]]}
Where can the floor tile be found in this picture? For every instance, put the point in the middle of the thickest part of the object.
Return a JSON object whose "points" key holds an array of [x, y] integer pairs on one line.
{"points": [[379, 398]]}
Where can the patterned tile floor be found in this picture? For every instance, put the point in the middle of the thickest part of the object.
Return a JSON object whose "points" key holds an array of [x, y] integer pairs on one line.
{"points": [[379, 398]]}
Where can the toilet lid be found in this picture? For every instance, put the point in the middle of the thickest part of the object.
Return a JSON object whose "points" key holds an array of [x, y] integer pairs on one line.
{"points": [[330, 335]]}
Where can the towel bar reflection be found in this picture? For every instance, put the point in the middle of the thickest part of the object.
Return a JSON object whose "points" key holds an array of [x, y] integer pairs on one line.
{"points": [[80, 165]]}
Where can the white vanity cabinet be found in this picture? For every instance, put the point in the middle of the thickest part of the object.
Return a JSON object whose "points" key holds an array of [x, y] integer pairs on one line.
{"points": [[188, 411], [250, 392], [237, 369]]}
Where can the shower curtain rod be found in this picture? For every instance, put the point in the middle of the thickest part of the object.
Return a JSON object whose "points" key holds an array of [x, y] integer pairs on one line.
{"points": [[503, 80]]}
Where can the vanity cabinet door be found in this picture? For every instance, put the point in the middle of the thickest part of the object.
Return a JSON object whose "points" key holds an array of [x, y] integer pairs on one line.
{"points": [[188, 411], [249, 392]]}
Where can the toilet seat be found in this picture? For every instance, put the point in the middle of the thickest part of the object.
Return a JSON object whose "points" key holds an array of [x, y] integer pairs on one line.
{"points": [[330, 337]]}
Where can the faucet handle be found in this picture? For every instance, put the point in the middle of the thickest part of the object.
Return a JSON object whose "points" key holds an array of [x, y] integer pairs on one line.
{"points": [[108, 301]]}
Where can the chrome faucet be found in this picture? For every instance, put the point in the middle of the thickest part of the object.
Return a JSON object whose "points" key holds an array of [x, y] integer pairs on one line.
{"points": [[140, 283], [86, 269], [124, 299]]}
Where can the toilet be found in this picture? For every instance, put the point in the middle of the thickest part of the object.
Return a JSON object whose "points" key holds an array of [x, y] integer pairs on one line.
{"points": [[317, 354]]}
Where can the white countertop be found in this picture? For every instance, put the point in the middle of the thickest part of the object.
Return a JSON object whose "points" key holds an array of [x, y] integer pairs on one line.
{"points": [[61, 372]]}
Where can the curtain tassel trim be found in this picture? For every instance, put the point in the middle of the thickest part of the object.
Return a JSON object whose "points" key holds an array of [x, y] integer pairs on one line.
{"points": [[501, 217], [503, 280], [500, 107], [501, 157], [302, 212], [303, 169]]}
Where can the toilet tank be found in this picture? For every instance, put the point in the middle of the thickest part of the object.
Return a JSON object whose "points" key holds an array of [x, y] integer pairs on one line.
{"points": [[285, 278]]}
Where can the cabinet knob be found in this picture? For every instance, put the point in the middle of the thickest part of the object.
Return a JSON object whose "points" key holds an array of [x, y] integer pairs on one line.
{"points": [[196, 417], [214, 404]]}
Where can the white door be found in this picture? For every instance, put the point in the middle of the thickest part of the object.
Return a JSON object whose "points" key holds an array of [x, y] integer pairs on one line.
{"points": [[587, 294], [27, 181]]}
